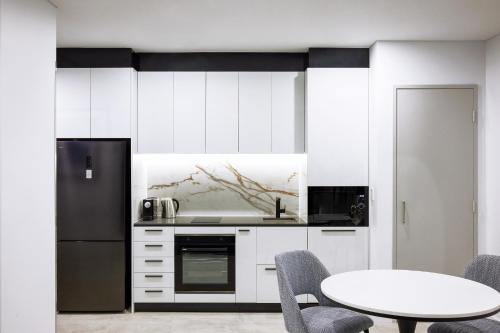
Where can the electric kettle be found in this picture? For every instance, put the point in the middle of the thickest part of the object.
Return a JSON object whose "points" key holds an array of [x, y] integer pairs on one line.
{"points": [[170, 207]]}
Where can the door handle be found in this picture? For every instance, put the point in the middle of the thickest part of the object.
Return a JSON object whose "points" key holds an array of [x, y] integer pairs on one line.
{"points": [[154, 230], [153, 260], [153, 245], [404, 212], [153, 275], [270, 268]]}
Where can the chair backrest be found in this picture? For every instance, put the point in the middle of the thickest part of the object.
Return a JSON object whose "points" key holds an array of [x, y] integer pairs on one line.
{"points": [[485, 269], [299, 272]]}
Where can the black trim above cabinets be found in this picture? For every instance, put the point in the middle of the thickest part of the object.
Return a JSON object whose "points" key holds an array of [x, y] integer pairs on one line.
{"points": [[339, 58], [94, 57], [222, 61], [214, 61]]}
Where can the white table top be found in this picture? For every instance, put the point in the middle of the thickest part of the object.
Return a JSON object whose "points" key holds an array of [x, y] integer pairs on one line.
{"points": [[412, 294]]}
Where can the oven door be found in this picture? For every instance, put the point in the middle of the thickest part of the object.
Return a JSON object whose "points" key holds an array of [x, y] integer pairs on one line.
{"points": [[204, 264]]}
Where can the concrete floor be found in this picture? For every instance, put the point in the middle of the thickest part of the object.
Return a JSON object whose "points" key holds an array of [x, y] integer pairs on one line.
{"points": [[170, 322]]}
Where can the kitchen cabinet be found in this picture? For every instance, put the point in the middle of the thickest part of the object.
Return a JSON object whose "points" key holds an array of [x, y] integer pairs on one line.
{"points": [[222, 112], [96, 103], [267, 286], [274, 240], [189, 112], [111, 102], [155, 123], [246, 261], [255, 112], [288, 92], [337, 126], [73, 103], [340, 249], [270, 242]]}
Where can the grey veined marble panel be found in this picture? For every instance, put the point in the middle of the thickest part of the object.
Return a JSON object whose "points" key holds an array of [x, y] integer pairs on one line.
{"points": [[229, 185]]}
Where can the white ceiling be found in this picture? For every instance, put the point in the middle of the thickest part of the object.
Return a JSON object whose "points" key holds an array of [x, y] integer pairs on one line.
{"points": [[269, 25]]}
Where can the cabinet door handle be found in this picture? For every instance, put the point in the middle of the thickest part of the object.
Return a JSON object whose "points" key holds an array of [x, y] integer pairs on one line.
{"points": [[153, 245], [270, 268], [153, 260], [244, 230], [154, 230], [338, 230], [153, 275], [404, 212], [153, 291]]}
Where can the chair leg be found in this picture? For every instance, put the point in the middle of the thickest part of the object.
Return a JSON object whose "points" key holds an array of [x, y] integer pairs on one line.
{"points": [[366, 331]]}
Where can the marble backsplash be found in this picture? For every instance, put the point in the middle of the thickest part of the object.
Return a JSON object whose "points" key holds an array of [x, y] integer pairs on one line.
{"points": [[228, 185]]}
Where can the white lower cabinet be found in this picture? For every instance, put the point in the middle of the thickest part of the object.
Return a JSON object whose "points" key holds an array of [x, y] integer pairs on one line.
{"points": [[153, 295], [246, 261], [274, 240], [267, 285], [148, 280], [153, 264], [270, 242], [340, 249]]}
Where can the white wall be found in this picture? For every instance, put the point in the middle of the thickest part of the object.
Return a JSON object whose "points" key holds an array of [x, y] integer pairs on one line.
{"points": [[413, 63], [27, 165], [491, 119]]}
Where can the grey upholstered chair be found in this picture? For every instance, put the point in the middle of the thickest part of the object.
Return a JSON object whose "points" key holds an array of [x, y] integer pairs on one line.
{"points": [[484, 269], [300, 272]]}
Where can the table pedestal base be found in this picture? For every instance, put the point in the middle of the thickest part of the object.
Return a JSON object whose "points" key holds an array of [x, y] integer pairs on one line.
{"points": [[407, 326]]}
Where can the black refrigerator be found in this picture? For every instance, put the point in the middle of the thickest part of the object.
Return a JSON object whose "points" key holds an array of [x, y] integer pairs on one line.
{"points": [[93, 233]]}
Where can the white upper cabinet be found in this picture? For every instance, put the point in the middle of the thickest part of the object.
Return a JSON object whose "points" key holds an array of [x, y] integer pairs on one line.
{"points": [[155, 123], [222, 112], [288, 112], [111, 102], [73, 103], [255, 112], [337, 126], [189, 112]]}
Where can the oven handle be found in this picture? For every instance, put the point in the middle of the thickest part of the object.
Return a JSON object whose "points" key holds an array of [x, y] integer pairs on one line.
{"points": [[205, 249]]}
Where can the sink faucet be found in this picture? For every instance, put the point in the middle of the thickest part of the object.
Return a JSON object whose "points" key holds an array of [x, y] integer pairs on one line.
{"points": [[279, 210]]}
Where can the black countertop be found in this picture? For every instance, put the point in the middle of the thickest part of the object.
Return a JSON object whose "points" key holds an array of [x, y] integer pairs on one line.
{"points": [[225, 221]]}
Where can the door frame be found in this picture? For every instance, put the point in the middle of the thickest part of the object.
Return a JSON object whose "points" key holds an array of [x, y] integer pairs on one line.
{"points": [[474, 89]]}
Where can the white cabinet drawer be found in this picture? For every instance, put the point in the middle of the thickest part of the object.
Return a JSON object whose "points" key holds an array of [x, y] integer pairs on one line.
{"points": [[149, 249], [267, 285], [340, 249], [274, 240], [154, 234], [153, 295], [153, 264], [147, 280]]}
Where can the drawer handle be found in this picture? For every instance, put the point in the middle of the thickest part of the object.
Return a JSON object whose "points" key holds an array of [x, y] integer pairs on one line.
{"points": [[153, 291], [153, 245], [153, 275], [270, 268], [154, 230], [153, 260], [244, 230], [339, 230]]}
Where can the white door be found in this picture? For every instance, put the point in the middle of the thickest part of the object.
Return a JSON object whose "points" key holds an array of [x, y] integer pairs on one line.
{"points": [[255, 112], [288, 112], [111, 99], [435, 179], [246, 262], [189, 112], [222, 112], [337, 126], [73, 103], [155, 123]]}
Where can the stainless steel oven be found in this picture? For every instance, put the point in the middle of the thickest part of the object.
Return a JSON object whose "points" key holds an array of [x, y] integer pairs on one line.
{"points": [[204, 264]]}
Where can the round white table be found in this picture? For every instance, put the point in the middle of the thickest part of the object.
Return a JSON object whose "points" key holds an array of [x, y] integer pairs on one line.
{"points": [[412, 296]]}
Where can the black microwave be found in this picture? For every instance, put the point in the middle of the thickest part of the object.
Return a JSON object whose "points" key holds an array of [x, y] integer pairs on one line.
{"points": [[338, 206]]}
